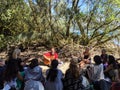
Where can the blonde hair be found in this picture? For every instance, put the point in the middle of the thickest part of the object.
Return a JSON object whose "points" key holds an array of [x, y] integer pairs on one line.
{"points": [[74, 69], [16, 53]]}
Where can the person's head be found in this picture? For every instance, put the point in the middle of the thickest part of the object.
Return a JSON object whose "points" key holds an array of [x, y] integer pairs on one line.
{"points": [[97, 60], [33, 63], [11, 70], [54, 64], [111, 59], [52, 50], [74, 67], [87, 49], [53, 71], [16, 53], [103, 51]]}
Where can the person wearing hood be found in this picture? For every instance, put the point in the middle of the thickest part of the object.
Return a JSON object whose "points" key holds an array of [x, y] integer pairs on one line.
{"points": [[33, 76]]}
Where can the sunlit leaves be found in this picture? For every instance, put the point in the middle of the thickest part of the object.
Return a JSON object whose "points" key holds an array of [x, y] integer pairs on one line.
{"points": [[53, 21]]}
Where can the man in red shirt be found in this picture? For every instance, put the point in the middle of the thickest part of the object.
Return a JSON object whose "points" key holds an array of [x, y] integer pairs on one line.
{"points": [[49, 56]]}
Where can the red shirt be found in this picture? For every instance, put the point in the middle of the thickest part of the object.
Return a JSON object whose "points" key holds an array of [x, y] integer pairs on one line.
{"points": [[49, 55]]}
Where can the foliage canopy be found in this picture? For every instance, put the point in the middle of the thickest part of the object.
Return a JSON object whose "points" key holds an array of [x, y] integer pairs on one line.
{"points": [[59, 22]]}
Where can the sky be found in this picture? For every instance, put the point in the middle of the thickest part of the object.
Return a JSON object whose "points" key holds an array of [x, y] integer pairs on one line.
{"points": [[116, 42]]}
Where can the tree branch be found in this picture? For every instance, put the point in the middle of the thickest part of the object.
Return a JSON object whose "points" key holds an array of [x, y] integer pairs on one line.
{"points": [[106, 40], [101, 26]]}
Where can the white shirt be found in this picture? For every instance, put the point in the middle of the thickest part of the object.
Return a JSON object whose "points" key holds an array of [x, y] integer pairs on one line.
{"points": [[98, 72]]}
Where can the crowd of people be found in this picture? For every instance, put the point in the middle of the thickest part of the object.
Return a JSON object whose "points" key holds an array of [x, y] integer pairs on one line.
{"points": [[15, 74]]}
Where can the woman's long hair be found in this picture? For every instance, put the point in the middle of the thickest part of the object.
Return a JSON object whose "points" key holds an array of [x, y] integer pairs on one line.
{"points": [[74, 68], [11, 71], [112, 61], [53, 71]]}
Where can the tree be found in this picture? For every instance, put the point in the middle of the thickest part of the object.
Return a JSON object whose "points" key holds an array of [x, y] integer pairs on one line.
{"points": [[49, 22], [13, 19], [98, 22]]}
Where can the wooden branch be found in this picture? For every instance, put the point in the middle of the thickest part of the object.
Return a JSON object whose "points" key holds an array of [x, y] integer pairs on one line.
{"points": [[74, 7], [81, 28], [103, 34], [68, 26], [76, 4], [91, 15], [106, 40], [96, 29], [104, 24], [118, 27], [89, 21]]}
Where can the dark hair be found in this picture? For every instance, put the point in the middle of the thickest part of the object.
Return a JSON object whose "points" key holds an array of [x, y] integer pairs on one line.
{"points": [[34, 63], [97, 59], [53, 71], [103, 50], [112, 61], [54, 64], [11, 70]]}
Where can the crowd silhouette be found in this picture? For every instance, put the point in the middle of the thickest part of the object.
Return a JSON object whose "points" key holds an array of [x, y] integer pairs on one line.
{"points": [[103, 74]]}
